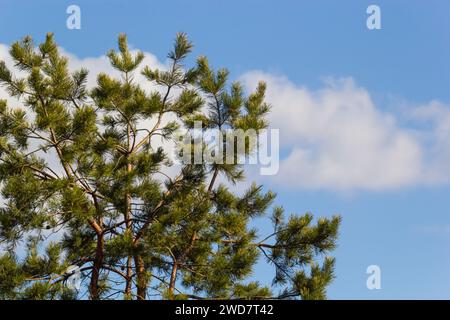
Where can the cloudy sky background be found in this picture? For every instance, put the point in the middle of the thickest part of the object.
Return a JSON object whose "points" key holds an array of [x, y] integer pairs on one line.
{"points": [[364, 116]]}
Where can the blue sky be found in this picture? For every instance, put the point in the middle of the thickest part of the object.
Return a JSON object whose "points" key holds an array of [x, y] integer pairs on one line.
{"points": [[396, 215]]}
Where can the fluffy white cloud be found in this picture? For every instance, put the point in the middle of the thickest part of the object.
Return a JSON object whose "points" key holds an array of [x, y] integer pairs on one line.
{"points": [[337, 138], [435, 136]]}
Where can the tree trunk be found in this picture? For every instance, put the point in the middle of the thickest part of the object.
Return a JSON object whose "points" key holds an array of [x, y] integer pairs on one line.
{"points": [[141, 278], [128, 280], [98, 262], [173, 279]]}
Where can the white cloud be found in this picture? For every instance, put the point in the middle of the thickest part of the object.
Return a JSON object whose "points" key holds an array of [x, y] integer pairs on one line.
{"points": [[338, 139], [435, 116]]}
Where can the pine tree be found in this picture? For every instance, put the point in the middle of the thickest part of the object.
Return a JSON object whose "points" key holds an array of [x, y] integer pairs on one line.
{"points": [[104, 205]]}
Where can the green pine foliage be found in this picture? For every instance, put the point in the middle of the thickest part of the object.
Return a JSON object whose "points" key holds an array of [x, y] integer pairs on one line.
{"points": [[104, 205]]}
